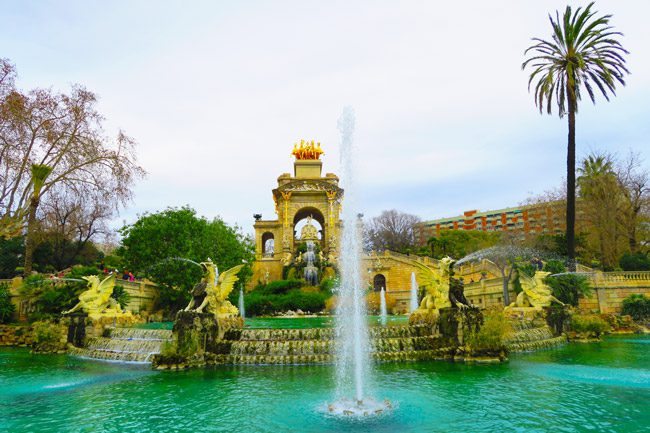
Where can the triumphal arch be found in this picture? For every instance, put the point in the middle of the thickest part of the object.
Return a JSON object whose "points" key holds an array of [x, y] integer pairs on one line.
{"points": [[306, 197]]}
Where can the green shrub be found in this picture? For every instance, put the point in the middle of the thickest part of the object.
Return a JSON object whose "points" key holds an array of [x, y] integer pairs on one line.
{"points": [[589, 324], [6, 307], [635, 262], [637, 306], [279, 287], [260, 303], [527, 269], [558, 317], [45, 332], [121, 296], [569, 288], [328, 285], [554, 267], [492, 335]]}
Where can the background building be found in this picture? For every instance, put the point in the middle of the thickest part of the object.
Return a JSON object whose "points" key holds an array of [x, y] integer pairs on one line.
{"points": [[538, 218]]}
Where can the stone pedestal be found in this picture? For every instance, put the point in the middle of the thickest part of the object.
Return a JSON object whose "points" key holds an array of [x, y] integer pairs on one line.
{"points": [[456, 324], [77, 329], [202, 332], [428, 318]]}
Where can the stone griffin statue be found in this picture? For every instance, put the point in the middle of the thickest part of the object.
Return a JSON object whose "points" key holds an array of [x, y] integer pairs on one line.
{"points": [[214, 289], [438, 283], [97, 301], [535, 293]]}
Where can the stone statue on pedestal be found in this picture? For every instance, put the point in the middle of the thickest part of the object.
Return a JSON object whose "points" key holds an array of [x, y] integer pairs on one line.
{"points": [[97, 301]]}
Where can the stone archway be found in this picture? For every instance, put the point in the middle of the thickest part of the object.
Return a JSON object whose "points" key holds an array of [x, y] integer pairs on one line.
{"points": [[379, 282], [268, 244], [304, 214]]}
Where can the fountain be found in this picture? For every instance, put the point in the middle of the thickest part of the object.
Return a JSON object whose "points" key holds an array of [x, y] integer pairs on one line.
{"points": [[414, 293], [353, 347], [311, 271], [242, 311], [382, 307], [124, 345]]}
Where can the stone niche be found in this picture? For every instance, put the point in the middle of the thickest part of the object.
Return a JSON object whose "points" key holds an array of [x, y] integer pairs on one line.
{"points": [[77, 329]]}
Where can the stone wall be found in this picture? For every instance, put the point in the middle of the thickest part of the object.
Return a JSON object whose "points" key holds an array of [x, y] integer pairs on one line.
{"points": [[397, 269], [143, 295], [40, 336], [487, 293], [610, 300], [11, 335], [608, 291]]}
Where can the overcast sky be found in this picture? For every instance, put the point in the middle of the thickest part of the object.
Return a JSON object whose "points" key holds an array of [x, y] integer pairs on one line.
{"points": [[216, 93]]}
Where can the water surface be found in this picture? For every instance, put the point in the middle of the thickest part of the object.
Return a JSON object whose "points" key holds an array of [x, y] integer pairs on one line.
{"points": [[598, 387]]}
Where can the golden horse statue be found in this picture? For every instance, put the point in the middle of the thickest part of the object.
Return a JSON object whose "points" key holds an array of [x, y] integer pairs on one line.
{"points": [[535, 293], [97, 301], [217, 289], [307, 150]]}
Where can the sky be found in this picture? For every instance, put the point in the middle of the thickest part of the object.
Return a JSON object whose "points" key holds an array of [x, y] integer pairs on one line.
{"points": [[215, 93]]}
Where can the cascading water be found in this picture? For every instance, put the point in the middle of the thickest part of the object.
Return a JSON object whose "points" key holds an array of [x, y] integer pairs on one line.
{"points": [[242, 311], [382, 307], [353, 347], [414, 293], [311, 271]]}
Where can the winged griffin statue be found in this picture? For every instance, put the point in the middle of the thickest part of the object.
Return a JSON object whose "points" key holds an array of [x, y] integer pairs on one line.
{"points": [[96, 301], [440, 293], [535, 293], [213, 291]]}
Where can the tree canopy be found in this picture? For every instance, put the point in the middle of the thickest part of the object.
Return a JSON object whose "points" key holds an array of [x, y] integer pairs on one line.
{"points": [[459, 243], [156, 244], [55, 142]]}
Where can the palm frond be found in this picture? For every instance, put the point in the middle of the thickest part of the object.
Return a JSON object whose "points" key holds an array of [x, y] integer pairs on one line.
{"points": [[584, 53]]}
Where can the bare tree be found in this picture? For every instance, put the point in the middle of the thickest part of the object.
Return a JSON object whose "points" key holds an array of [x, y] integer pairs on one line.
{"points": [[635, 184], [392, 230], [64, 132], [69, 221]]}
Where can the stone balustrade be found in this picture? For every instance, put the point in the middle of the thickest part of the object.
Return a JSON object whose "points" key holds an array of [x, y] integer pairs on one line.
{"points": [[609, 290]]}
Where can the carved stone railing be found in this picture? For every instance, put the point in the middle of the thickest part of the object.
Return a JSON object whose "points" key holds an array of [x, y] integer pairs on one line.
{"points": [[604, 280]]}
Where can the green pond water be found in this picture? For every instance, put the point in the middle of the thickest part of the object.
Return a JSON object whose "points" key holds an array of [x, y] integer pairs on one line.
{"points": [[597, 387]]}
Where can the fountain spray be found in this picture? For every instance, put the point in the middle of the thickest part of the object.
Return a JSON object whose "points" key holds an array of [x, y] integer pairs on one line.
{"points": [[414, 293], [353, 354], [353, 342]]}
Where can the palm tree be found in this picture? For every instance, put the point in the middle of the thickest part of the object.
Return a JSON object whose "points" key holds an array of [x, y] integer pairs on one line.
{"points": [[40, 172], [583, 53]]}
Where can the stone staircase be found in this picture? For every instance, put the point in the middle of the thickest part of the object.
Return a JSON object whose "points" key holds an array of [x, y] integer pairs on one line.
{"points": [[124, 345]]}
